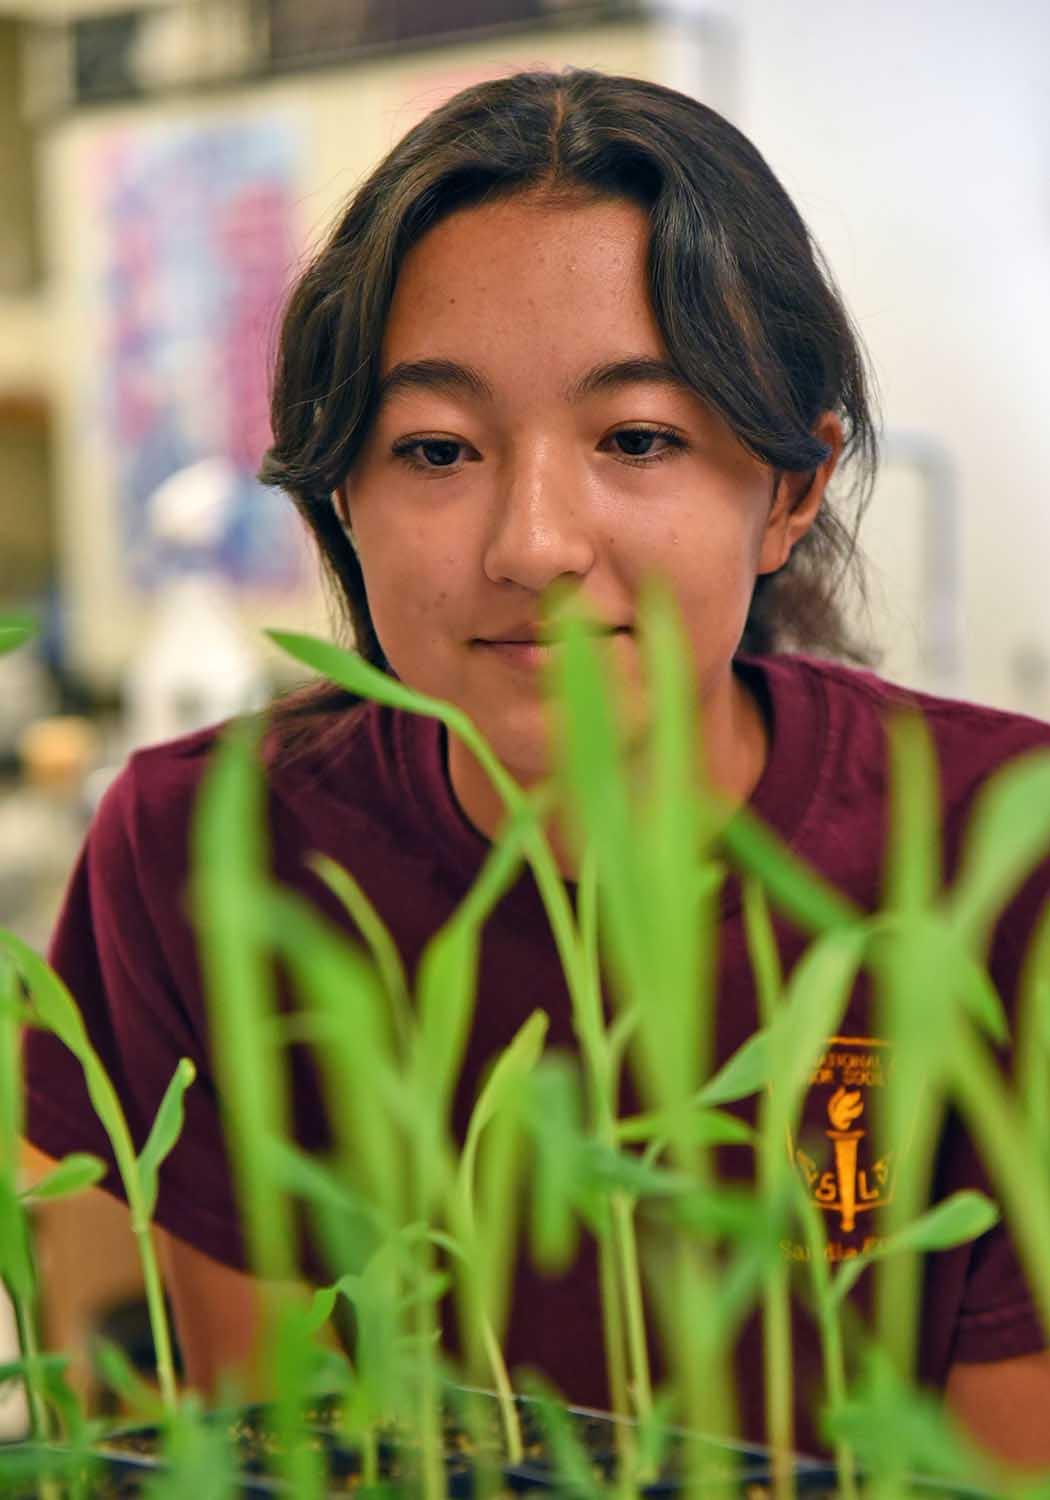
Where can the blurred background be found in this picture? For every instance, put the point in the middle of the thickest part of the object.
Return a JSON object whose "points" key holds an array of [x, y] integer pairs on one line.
{"points": [[165, 165]]}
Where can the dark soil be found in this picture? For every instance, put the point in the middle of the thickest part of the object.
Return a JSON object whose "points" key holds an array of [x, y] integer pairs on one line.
{"points": [[473, 1460]]}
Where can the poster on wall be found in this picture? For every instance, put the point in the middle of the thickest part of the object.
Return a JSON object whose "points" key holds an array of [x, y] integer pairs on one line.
{"points": [[197, 249]]}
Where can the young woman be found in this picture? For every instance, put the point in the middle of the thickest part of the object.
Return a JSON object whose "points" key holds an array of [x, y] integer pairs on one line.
{"points": [[571, 330]]}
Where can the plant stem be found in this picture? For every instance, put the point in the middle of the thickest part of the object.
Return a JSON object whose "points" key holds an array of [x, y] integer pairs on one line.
{"points": [[898, 1290], [613, 1328], [1031, 1052], [583, 983], [641, 1390], [776, 1352], [776, 1288], [158, 1317], [777, 1357], [830, 1337], [621, 1281], [1015, 1166], [433, 1468], [505, 1393], [40, 1424]]}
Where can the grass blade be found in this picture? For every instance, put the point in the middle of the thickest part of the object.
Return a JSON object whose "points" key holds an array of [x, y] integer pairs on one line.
{"points": [[1007, 835], [165, 1132], [73, 1175]]}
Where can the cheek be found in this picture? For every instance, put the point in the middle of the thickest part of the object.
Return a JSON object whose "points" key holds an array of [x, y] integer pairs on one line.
{"points": [[412, 593]]}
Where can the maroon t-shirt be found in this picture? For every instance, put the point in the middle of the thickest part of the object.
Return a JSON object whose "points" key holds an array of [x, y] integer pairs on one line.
{"points": [[376, 797]]}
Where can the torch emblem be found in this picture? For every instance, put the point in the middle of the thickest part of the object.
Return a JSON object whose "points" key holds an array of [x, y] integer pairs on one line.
{"points": [[847, 1178]]}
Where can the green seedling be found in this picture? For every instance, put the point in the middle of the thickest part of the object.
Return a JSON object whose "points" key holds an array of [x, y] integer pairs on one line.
{"points": [[399, 1211], [199, 1459], [954, 1221], [117, 1372], [380, 944], [487, 1243], [896, 1431], [1032, 1062], [17, 1271], [226, 889], [53, 1006], [638, 816], [572, 1464]]}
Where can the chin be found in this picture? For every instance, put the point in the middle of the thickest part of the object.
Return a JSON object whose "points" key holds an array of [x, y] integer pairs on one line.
{"points": [[522, 743]]}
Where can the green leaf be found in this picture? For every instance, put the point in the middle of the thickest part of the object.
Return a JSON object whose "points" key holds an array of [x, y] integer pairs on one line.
{"points": [[705, 1127], [54, 1007], [373, 931], [895, 1430], [816, 997], [315, 1181], [600, 1168], [16, 1369], [575, 1476], [1007, 836], [913, 874], [16, 1266], [72, 1175], [10, 1069], [446, 991], [340, 987], [793, 886], [14, 633], [349, 670], [512, 1066], [727, 1212], [681, 909], [961, 1217], [199, 1459], [594, 776], [228, 891], [50, 1001], [165, 1132], [749, 1069], [554, 1115], [981, 1000], [116, 1369], [322, 1303], [762, 949]]}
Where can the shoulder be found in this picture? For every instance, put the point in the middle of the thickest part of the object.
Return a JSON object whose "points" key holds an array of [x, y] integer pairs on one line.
{"points": [[153, 795], [357, 770], [971, 740]]}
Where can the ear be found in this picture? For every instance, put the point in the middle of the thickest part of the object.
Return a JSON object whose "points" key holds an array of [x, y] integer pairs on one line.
{"points": [[341, 505], [797, 499]]}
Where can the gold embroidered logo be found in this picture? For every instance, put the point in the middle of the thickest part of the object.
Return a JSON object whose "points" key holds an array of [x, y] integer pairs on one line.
{"points": [[847, 1178]]}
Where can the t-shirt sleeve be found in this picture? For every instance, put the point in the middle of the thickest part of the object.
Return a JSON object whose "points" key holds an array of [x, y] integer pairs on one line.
{"points": [[121, 917], [998, 1317]]}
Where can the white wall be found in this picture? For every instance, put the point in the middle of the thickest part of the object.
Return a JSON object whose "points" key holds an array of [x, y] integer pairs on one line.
{"points": [[915, 137]]}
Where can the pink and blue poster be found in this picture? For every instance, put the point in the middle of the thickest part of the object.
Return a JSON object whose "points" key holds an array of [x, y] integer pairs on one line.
{"points": [[198, 248]]}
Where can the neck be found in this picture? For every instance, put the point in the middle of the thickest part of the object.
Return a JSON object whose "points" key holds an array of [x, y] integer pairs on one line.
{"points": [[736, 745]]}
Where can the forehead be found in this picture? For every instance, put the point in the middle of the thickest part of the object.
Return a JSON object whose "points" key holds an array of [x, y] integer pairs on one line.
{"points": [[557, 281]]}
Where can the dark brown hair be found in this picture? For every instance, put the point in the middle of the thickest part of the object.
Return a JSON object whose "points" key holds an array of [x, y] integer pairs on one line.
{"points": [[741, 294]]}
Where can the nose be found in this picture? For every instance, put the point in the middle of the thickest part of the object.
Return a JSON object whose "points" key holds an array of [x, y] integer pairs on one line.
{"points": [[541, 529]]}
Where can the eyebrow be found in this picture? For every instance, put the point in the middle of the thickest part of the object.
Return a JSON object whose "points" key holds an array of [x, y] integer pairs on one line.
{"points": [[447, 377]]}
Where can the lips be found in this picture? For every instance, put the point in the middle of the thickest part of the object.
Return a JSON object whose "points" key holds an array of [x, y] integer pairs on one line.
{"points": [[533, 637]]}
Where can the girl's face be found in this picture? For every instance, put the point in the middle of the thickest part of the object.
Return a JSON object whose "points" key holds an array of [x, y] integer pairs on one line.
{"points": [[530, 431]]}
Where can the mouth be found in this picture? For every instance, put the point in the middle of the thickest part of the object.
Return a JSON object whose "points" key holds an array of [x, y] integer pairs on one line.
{"points": [[532, 651], [537, 638]]}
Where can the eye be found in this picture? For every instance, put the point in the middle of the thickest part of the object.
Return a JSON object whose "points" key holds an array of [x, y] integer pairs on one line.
{"points": [[430, 452], [644, 444]]}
